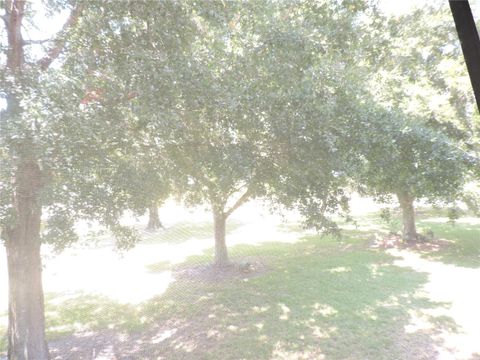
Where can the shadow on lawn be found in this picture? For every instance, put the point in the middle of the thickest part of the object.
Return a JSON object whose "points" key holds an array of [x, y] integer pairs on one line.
{"points": [[320, 299], [458, 244], [464, 248]]}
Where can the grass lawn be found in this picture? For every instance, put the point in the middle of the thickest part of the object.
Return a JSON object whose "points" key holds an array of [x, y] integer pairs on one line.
{"points": [[317, 298]]}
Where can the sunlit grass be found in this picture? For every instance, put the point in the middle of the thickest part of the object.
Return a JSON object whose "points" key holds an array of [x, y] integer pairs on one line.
{"points": [[306, 303], [184, 231], [331, 297], [316, 295]]}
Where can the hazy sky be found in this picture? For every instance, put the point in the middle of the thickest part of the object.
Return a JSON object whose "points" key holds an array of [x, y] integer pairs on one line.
{"points": [[400, 7], [49, 26]]}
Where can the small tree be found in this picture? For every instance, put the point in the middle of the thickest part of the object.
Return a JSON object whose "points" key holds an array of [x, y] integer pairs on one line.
{"points": [[264, 91], [221, 100], [137, 62], [427, 125], [215, 153], [400, 157], [147, 184]]}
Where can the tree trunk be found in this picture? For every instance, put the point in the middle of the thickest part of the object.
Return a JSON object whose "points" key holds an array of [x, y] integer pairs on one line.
{"points": [[26, 320], [221, 252], [409, 233], [154, 222]]}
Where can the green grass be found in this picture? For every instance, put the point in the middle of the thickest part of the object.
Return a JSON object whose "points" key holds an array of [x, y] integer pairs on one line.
{"points": [[321, 296], [464, 247], [464, 238], [349, 304], [88, 312]]}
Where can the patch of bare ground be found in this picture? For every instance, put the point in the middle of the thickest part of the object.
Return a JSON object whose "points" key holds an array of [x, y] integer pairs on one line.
{"points": [[395, 241]]}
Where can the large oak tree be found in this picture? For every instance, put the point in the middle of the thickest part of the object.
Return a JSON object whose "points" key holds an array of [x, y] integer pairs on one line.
{"points": [[57, 160]]}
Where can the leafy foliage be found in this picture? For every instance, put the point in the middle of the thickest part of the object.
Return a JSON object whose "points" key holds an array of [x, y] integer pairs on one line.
{"points": [[400, 155]]}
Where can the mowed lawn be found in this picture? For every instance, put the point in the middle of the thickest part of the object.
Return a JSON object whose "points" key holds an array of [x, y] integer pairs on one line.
{"points": [[312, 298]]}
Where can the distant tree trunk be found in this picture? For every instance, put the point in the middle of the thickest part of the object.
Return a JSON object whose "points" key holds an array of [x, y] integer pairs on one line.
{"points": [[409, 233], [221, 252], [26, 321], [154, 222]]}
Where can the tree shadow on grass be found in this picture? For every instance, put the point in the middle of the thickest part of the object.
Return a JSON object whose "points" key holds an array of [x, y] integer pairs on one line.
{"points": [[464, 243], [316, 301], [88, 312], [456, 244], [88, 316]]}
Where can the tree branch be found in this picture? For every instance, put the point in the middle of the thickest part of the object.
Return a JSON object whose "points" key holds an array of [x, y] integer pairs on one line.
{"points": [[240, 202], [59, 42], [35, 42]]}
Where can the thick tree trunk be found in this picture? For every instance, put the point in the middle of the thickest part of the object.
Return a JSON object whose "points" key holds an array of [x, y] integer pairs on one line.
{"points": [[26, 322], [154, 222], [221, 252], [409, 233]]}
